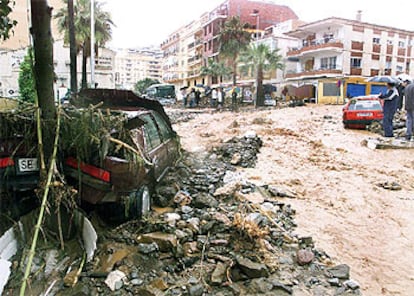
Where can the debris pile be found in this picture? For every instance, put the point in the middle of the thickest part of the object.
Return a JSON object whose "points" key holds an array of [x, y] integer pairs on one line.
{"points": [[241, 151], [222, 237]]}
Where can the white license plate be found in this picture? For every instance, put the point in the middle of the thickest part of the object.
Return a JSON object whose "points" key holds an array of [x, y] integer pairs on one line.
{"points": [[364, 114], [28, 165]]}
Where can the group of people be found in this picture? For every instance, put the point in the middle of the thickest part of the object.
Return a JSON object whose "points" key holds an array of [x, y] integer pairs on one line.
{"points": [[393, 101], [192, 99], [217, 98]]}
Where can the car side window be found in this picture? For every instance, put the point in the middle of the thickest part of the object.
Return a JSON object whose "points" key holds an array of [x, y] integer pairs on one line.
{"points": [[152, 137], [165, 130]]}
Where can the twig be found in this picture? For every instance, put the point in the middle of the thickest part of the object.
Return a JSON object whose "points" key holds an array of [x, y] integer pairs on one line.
{"points": [[42, 209], [129, 147]]}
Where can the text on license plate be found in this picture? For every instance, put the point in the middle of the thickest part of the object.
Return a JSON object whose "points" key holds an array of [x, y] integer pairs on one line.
{"points": [[364, 114], [28, 165]]}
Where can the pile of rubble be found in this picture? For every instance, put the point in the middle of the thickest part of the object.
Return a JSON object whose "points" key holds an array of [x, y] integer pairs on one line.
{"points": [[398, 124], [240, 151], [216, 234]]}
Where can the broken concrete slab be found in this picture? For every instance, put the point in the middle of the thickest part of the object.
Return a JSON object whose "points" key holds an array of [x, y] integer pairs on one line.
{"points": [[390, 143], [165, 241], [252, 269]]}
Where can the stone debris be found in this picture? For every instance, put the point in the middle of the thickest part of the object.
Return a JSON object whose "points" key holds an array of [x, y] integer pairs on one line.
{"points": [[114, 280], [241, 151], [393, 186], [217, 234]]}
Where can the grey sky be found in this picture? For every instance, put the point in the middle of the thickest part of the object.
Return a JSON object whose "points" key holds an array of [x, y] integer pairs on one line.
{"points": [[148, 22]]}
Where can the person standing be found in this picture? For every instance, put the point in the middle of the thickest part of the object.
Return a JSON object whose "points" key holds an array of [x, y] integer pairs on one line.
{"points": [[234, 106], [401, 89], [220, 97], [390, 106], [184, 96], [213, 101], [197, 97], [409, 107]]}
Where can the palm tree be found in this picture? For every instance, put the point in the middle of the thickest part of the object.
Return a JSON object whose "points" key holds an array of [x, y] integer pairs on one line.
{"points": [[215, 69], [82, 20], [234, 38], [258, 59]]}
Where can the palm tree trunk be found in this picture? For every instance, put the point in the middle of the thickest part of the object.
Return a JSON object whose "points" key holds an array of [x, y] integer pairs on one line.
{"points": [[259, 90], [41, 15], [72, 46], [84, 61]]}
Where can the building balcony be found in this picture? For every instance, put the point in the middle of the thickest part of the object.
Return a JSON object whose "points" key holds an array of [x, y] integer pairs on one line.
{"points": [[317, 45], [314, 73], [194, 60], [356, 71]]}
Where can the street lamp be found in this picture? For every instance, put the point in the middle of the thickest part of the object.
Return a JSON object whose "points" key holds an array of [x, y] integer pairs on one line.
{"points": [[92, 43], [256, 14]]}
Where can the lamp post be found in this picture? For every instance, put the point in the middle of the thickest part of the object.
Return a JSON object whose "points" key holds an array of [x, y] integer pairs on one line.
{"points": [[92, 43]]}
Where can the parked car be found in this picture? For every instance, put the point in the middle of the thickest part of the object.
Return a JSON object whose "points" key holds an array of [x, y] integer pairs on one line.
{"points": [[362, 111], [118, 184]]}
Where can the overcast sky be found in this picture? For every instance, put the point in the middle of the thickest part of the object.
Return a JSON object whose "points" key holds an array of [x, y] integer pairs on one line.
{"points": [[149, 22]]}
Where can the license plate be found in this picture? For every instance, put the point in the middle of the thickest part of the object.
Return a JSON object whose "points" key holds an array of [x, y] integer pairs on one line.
{"points": [[364, 114], [28, 165]]}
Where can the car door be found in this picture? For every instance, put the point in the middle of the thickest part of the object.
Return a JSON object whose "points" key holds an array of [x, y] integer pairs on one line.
{"points": [[169, 137], [154, 146]]}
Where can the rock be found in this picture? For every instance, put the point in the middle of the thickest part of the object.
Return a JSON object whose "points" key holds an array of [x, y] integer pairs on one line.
{"points": [[340, 271], [223, 219], [219, 274], [172, 218], [304, 256], [196, 290], [228, 189], [148, 248], [252, 269], [334, 282], [137, 282], [255, 217], [165, 241], [260, 285], [114, 280], [236, 158], [192, 280], [159, 284], [233, 177], [182, 198], [190, 248], [149, 291], [194, 224], [205, 200], [250, 135], [186, 209], [351, 284], [278, 286]]}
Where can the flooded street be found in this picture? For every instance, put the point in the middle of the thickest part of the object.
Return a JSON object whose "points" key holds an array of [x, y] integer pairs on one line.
{"points": [[340, 203]]}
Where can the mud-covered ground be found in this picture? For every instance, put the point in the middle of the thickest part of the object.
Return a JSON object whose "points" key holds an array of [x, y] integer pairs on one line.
{"points": [[340, 203]]}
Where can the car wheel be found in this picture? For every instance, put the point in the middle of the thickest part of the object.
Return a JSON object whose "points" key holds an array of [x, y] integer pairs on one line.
{"points": [[140, 202]]}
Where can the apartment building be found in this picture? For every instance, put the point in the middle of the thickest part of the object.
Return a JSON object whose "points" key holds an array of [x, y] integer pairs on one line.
{"points": [[13, 50], [132, 65], [205, 33], [336, 55]]}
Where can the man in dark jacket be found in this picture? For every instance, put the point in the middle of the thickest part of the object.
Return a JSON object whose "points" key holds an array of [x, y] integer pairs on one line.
{"points": [[390, 106], [409, 107]]}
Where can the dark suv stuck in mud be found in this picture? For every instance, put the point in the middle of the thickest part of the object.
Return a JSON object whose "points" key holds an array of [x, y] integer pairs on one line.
{"points": [[120, 173]]}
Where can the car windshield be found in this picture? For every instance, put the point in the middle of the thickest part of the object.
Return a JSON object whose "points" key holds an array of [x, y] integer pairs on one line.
{"points": [[372, 105]]}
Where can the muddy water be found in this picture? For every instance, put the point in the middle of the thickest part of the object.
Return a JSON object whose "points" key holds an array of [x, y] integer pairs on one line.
{"points": [[340, 204]]}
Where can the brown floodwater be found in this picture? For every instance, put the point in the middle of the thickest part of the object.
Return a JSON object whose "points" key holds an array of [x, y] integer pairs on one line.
{"points": [[307, 150]]}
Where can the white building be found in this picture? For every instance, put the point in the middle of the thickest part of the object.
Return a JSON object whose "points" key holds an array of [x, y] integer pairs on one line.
{"points": [[133, 65]]}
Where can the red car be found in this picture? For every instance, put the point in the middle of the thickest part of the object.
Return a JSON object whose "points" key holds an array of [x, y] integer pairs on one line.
{"points": [[360, 112]]}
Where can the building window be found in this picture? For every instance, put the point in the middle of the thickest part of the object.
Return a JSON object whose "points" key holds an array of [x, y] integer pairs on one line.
{"points": [[401, 44], [328, 63], [355, 63], [399, 68], [376, 40]]}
